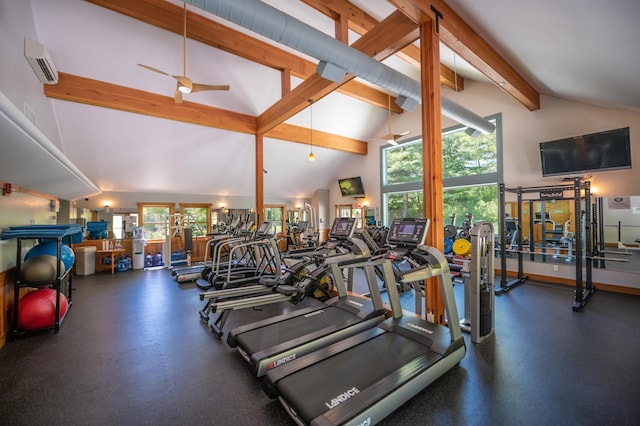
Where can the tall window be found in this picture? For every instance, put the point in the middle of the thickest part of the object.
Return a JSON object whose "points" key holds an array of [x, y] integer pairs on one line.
{"points": [[117, 226], [154, 219], [197, 217], [275, 215], [472, 168]]}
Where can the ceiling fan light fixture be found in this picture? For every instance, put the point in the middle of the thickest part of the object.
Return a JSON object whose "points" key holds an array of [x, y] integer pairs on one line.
{"points": [[391, 138], [185, 85]]}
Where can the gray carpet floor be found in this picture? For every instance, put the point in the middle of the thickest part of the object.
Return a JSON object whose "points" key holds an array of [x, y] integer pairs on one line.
{"points": [[133, 351]]}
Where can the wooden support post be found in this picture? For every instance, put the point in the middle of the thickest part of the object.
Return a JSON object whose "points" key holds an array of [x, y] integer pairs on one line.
{"points": [[259, 178], [432, 157]]}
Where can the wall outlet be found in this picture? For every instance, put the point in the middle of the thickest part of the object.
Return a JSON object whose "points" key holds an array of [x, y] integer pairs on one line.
{"points": [[555, 268]]}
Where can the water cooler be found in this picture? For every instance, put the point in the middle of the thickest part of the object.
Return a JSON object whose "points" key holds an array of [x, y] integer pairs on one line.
{"points": [[137, 248]]}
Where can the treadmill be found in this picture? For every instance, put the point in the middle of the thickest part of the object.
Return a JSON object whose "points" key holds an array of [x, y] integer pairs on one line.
{"points": [[362, 379], [275, 341], [195, 271]]}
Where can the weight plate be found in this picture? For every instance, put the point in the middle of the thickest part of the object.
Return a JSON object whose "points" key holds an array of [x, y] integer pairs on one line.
{"points": [[450, 231], [461, 247]]}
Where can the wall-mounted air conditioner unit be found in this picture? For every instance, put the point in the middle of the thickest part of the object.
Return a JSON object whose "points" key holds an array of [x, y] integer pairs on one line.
{"points": [[40, 61]]}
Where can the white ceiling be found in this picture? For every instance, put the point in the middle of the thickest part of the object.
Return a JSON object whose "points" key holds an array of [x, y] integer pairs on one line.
{"points": [[582, 50]]}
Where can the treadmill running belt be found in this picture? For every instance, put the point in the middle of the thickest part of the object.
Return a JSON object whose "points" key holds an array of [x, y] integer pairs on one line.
{"points": [[322, 386], [266, 337]]}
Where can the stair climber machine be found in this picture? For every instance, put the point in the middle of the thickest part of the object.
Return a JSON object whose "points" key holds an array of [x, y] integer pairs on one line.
{"points": [[479, 294], [193, 272], [366, 376], [241, 261], [304, 278]]}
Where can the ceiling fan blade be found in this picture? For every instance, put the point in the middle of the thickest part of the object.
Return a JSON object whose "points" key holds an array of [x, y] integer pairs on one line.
{"points": [[185, 85], [203, 87], [388, 137], [405, 133], [184, 81], [154, 69], [178, 96]]}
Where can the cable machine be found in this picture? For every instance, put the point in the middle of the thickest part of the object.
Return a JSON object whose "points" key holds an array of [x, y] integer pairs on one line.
{"points": [[479, 295], [580, 191]]}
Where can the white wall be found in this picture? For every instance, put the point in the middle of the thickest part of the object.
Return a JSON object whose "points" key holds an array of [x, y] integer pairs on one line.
{"points": [[522, 131], [20, 209], [127, 201], [17, 80]]}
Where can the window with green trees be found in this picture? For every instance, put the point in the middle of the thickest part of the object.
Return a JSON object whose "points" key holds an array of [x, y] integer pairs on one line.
{"points": [[154, 219], [197, 217], [471, 172]]}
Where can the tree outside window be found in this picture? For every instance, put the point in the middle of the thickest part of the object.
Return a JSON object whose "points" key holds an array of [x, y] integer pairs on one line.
{"points": [[471, 172], [154, 219], [197, 217]]}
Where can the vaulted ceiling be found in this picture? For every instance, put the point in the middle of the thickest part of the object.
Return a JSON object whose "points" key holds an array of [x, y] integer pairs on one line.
{"points": [[120, 125]]}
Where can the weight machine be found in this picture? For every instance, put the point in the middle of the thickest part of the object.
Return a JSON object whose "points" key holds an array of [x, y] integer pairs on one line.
{"points": [[580, 190], [479, 294], [176, 228]]}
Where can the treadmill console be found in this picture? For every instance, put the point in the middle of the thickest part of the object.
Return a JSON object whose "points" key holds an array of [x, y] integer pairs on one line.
{"points": [[407, 233], [263, 229], [343, 228]]}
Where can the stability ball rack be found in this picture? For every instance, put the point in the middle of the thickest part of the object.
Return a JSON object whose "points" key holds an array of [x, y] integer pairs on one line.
{"points": [[580, 190], [62, 283]]}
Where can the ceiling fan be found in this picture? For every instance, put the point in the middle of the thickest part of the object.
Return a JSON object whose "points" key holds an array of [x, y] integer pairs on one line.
{"points": [[391, 137], [185, 85]]}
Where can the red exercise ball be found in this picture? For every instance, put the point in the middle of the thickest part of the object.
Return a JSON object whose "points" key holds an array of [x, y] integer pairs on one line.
{"points": [[37, 309]]}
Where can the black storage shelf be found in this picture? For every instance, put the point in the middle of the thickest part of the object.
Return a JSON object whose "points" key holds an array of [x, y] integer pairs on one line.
{"points": [[61, 234]]}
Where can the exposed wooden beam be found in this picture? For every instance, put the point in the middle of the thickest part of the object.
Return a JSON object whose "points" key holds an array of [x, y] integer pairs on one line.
{"points": [[462, 39], [98, 93], [169, 17], [388, 37], [360, 22], [285, 81], [321, 139]]}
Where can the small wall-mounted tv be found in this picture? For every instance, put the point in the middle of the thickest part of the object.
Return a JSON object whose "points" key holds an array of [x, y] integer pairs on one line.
{"points": [[609, 150], [351, 187]]}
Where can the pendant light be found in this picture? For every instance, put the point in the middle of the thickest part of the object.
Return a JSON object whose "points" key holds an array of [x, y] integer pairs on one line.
{"points": [[312, 156]]}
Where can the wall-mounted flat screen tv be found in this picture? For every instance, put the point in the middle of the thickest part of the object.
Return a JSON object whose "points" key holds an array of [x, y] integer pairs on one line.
{"points": [[351, 187], [609, 150]]}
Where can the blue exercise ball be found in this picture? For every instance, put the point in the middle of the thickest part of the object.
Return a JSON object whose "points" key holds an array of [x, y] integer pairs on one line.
{"points": [[448, 246], [50, 248]]}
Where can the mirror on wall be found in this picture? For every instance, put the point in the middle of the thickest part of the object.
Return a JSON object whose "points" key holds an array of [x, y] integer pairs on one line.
{"points": [[621, 231], [550, 227]]}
